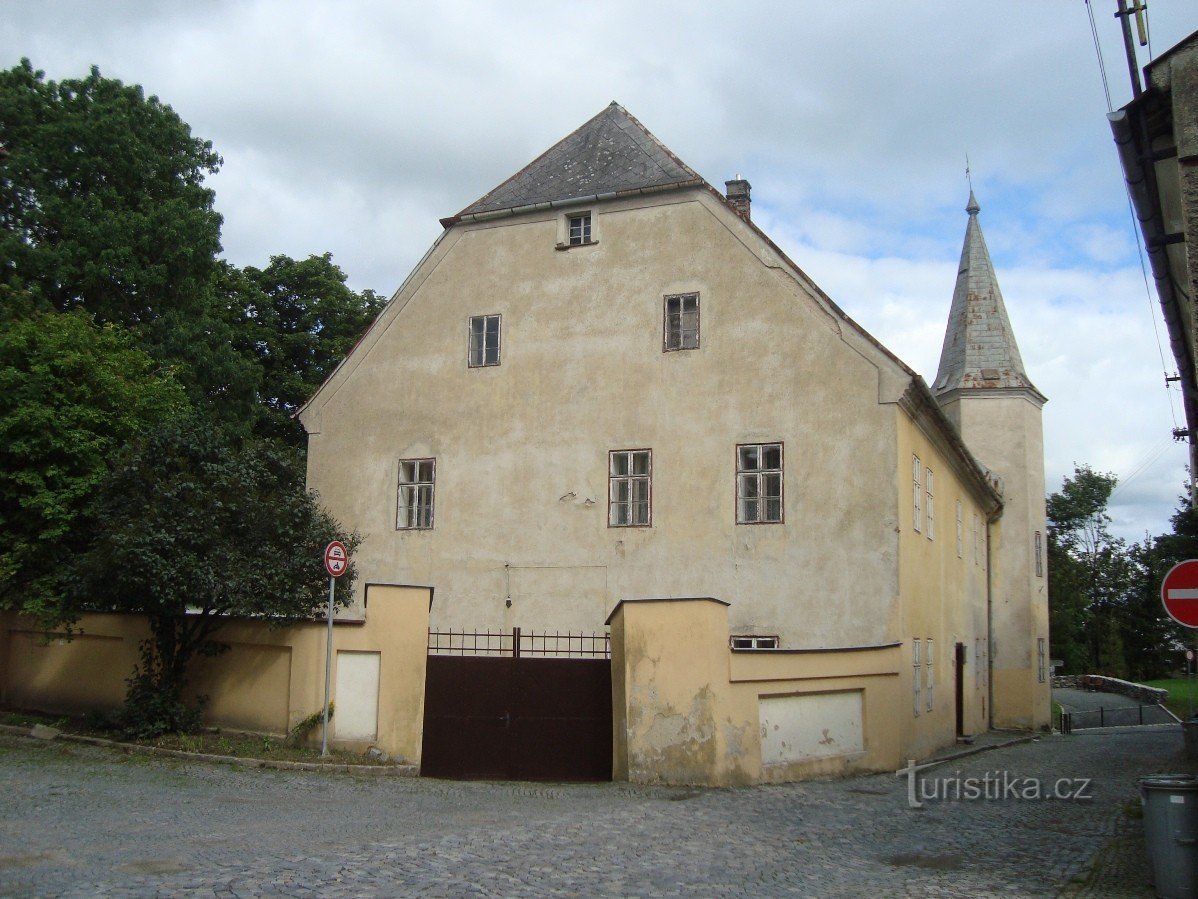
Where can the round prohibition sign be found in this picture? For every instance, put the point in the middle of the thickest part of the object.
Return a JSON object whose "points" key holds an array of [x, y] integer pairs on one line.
{"points": [[336, 559], [1179, 593]]}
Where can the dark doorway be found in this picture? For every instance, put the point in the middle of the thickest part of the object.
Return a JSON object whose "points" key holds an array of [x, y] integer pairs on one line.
{"points": [[960, 697]]}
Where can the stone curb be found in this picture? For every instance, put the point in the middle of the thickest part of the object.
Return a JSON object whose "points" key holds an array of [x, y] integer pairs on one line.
{"points": [[270, 764], [965, 753]]}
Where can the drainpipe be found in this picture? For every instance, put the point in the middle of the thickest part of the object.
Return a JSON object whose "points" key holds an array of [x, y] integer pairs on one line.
{"points": [[989, 628]]}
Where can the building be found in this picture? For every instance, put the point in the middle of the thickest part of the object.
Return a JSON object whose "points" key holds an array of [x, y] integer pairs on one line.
{"points": [[1157, 137], [606, 396]]}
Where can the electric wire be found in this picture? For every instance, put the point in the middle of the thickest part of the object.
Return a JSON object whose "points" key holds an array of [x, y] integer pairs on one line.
{"points": [[1106, 87], [1135, 224], [1146, 462]]}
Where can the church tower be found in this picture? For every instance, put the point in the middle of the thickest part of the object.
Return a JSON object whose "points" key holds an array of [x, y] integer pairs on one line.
{"points": [[983, 389]]}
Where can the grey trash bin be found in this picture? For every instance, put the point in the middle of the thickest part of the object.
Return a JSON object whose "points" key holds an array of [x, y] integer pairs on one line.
{"points": [[1171, 833], [1189, 729]]}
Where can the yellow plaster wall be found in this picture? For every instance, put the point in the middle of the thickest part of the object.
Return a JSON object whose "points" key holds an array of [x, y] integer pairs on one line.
{"points": [[267, 681], [942, 595], [687, 706], [1006, 434]]}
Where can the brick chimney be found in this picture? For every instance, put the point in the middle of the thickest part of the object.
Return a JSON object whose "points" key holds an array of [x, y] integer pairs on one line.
{"points": [[737, 191]]}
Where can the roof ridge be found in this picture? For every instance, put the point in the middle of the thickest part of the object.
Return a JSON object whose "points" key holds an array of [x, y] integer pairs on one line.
{"points": [[610, 154]]}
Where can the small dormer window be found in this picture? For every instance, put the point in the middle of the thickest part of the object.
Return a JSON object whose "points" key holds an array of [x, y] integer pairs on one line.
{"points": [[580, 229]]}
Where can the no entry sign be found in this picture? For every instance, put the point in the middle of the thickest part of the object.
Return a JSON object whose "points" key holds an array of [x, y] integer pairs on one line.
{"points": [[336, 559], [1179, 593]]}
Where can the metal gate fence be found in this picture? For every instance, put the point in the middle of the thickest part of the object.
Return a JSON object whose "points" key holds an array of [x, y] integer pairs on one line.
{"points": [[515, 705]]}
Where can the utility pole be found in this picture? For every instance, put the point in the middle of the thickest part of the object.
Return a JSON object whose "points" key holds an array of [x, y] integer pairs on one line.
{"points": [[1124, 15]]}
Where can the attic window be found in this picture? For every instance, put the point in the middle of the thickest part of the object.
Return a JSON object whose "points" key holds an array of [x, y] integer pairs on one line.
{"points": [[747, 641], [580, 229]]}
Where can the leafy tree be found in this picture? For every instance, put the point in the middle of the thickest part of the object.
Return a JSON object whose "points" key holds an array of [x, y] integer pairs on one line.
{"points": [[71, 395], [1090, 574], [297, 319], [103, 207], [194, 527], [1153, 638], [102, 199]]}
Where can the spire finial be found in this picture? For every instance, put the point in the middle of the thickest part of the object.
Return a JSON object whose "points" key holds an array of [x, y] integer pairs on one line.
{"points": [[973, 208]]}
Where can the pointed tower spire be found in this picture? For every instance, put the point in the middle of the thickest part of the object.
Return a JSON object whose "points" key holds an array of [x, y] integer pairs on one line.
{"points": [[979, 349]]}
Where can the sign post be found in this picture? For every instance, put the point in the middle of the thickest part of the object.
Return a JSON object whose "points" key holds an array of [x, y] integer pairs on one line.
{"points": [[336, 561]]}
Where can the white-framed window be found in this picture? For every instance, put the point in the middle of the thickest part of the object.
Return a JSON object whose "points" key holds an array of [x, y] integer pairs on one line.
{"points": [[578, 228], [931, 515], [484, 340], [960, 530], [916, 674], [416, 480], [630, 488], [759, 483], [752, 641], [917, 491], [1041, 660], [929, 659], [680, 322], [1039, 549]]}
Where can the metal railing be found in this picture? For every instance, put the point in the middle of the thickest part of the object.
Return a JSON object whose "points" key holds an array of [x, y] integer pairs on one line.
{"points": [[1117, 717], [519, 643]]}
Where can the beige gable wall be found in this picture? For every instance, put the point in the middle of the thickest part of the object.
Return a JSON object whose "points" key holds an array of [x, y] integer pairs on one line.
{"points": [[521, 449]]}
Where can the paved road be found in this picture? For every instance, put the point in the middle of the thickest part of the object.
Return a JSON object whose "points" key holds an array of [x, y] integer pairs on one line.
{"points": [[1116, 709], [82, 821]]}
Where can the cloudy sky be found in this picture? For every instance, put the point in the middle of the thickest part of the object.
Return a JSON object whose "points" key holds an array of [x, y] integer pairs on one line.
{"points": [[351, 127]]}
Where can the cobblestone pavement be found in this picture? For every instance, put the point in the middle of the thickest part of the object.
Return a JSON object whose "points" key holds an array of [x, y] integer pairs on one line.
{"points": [[77, 820]]}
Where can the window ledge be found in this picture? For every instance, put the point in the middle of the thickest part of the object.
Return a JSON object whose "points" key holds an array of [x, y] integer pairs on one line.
{"points": [[575, 246]]}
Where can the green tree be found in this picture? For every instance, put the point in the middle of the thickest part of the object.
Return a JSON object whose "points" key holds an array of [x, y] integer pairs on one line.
{"points": [[297, 319], [194, 527], [102, 198], [1090, 575], [103, 207], [1153, 639], [71, 395]]}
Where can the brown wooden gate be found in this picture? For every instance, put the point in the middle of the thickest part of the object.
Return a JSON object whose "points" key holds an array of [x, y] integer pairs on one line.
{"points": [[541, 710]]}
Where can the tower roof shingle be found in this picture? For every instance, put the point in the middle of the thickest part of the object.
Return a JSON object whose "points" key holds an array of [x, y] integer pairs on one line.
{"points": [[979, 349]]}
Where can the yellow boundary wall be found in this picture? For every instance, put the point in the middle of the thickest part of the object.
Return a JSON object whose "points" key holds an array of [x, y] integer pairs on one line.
{"points": [[267, 681], [690, 710]]}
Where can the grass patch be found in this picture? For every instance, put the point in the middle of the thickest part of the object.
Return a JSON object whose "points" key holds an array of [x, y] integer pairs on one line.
{"points": [[1056, 715], [1183, 694], [209, 742]]}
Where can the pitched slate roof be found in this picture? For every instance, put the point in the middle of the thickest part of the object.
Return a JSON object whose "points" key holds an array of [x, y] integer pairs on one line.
{"points": [[612, 154], [979, 346]]}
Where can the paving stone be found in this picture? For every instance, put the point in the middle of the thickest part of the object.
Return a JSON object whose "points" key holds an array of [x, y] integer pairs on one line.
{"points": [[80, 820]]}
